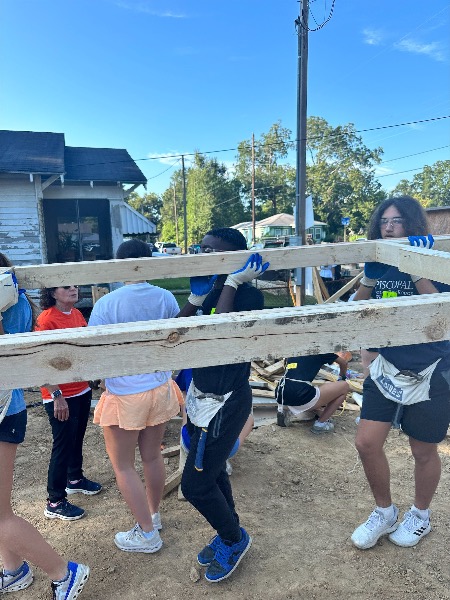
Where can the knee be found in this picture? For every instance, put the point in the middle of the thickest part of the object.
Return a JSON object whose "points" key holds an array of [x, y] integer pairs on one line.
{"points": [[366, 446], [424, 453]]}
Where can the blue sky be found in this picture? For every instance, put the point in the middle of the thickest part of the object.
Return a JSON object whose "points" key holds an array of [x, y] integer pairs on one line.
{"points": [[162, 77]]}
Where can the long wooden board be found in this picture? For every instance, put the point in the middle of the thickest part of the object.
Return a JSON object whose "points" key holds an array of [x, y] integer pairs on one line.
{"points": [[88, 353]]}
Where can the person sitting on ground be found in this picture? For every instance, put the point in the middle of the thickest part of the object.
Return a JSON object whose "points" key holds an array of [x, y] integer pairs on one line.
{"points": [[218, 403], [295, 393], [134, 410], [68, 406], [19, 540]]}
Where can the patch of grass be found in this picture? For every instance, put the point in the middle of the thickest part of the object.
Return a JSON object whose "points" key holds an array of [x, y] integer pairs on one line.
{"points": [[177, 283]]}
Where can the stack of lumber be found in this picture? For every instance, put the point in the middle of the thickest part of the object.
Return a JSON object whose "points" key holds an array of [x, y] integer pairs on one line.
{"points": [[265, 375]]}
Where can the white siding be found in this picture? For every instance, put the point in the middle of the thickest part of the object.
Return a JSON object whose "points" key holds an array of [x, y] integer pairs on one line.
{"points": [[19, 220]]}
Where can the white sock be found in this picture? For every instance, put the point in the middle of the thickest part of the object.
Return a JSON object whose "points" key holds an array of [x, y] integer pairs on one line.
{"points": [[388, 512], [423, 514], [148, 534]]}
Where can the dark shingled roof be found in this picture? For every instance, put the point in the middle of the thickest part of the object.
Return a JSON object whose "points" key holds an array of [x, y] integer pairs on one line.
{"points": [[101, 164], [31, 152], [46, 154]]}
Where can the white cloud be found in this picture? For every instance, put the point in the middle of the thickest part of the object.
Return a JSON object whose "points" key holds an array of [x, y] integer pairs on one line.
{"points": [[382, 171], [434, 50], [148, 8], [167, 158], [373, 37]]}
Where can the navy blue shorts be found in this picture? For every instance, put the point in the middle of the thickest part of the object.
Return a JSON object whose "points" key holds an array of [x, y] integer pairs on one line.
{"points": [[13, 427], [295, 393], [426, 421]]}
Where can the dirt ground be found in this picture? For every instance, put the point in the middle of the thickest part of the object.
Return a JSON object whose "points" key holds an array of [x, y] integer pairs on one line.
{"points": [[299, 495]]}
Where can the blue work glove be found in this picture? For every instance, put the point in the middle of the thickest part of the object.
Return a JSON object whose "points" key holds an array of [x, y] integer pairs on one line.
{"points": [[200, 288], [372, 272], [421, 241], [252, 269]]}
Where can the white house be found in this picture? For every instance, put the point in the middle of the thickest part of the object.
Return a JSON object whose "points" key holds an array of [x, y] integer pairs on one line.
{"points": [[278, 227], [59, 203]]}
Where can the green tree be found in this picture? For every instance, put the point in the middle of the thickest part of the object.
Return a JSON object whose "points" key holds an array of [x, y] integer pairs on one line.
{"points": [[431, 186], [149, 205], [274, 177], [340, 175]]}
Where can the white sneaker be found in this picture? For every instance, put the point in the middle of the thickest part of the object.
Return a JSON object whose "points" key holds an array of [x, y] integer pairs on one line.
{"points": [[135, 541], [411, 530], [367, 535], [156, 520]]}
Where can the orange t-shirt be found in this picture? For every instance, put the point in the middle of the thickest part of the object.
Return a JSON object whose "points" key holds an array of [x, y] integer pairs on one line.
{"points": [[52, 318]]}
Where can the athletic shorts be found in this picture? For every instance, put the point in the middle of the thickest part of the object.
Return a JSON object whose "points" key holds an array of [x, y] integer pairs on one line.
{"points": [[13, 427], [138, 411], [426, 421], [297, 393]]}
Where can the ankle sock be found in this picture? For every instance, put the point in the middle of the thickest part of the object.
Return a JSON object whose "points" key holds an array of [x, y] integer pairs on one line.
{"points": [[13, 573], [388, 512], [423, 514], [148, 534]]}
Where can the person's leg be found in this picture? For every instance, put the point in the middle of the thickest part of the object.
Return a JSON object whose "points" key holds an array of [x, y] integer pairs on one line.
{"points": [[209, 490], [247, 429], [79, 410], [332, 395], [63, 436], [149, 441], [370, 438], [120, 446], [18, 538], [427, 472]]}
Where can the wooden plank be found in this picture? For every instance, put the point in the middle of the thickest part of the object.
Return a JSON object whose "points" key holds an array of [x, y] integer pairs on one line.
{"points": [[316, 286], [277, 367], [32, 359], [171, 451], [92, 272], [98, 292], [432, 264], [322, 286], [172, 482]]}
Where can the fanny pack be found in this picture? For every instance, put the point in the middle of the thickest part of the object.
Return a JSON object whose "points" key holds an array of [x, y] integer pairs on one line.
{"points": [[201, 408], [404, 387], [5, 401]]}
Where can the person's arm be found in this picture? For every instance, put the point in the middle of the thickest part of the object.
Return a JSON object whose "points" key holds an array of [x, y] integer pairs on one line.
{"points": [[200, 288], [60, 406], [343, 364]]}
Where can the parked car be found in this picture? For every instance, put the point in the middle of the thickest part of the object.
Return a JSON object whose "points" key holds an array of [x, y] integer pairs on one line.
{"points": [[167, 248], [194, 249]]}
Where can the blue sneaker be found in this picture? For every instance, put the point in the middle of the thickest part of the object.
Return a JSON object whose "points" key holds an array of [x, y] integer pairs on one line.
{"points": [[19, 581], [64, 511], [83, 486], [227, 558], [206, 556], [73, 584]]}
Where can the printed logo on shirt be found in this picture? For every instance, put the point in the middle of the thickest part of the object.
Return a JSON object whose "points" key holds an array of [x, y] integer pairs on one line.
{"points": [[389, 294], [391, 390]]}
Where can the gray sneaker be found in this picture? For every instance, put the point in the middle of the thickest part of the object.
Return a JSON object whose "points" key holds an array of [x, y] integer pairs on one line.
{"points": [[19, 581], [327, 427]]}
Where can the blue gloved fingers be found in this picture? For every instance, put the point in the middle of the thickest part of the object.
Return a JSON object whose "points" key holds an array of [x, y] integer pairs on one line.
{"points": [[264, 267], [430, 240], [421, 241], [201, 285]]}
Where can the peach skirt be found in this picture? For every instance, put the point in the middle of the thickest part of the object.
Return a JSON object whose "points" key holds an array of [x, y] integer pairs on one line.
{"points": [[138, 411]]}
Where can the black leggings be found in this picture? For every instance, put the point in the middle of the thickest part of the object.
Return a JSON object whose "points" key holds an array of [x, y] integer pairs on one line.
{"points": [[209, 491]]}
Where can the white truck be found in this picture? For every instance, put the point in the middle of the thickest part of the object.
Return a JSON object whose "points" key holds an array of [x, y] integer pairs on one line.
{"points": [[167, 248]]}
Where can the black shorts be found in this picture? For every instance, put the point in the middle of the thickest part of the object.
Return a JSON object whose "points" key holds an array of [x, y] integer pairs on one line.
{"points": [[426, 421], [295, 393], [12, 428]]}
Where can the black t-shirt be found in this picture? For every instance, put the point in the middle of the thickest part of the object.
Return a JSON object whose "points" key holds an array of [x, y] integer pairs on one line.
{"points": [[225, 378], [307, 367]]}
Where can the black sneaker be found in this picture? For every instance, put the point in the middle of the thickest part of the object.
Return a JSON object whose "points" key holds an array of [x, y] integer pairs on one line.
{"points": [[83, 486], [64, 511]]}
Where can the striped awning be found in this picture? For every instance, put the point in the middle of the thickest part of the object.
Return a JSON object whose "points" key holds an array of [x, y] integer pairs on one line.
{"points": [[133, 222]]}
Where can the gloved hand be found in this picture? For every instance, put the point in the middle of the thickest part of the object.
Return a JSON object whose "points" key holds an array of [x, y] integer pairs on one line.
{"points": [[252, 269], [372, 272], [421, 241], [200, 288]]}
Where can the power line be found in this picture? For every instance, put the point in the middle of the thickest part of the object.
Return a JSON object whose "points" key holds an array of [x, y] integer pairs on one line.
{"points": [[416, 154]]}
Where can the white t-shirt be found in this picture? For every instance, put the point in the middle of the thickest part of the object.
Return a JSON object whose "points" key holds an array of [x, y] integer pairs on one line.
{"points": [[131, 303]]}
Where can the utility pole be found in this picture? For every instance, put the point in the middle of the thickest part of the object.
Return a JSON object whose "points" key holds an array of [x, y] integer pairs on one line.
{"points": [[253, 191], [183, 172], [175, 215], [300, 180]]}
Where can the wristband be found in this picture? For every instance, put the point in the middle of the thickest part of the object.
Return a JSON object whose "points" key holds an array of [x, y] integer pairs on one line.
{"points": [[367, 282], [231, 282], [196, 300], [56, 394]]}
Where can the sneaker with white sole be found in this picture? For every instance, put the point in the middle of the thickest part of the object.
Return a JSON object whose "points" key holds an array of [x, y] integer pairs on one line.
{"points": [[71, 587], [63, 510], [156, 520], [367, 535], [83, 486], [411, 530], [227, 558], [135, 541], [326, 427], [206, 556], [19, 581]]}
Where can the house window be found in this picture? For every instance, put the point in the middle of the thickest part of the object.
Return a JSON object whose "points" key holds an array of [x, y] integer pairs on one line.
{"points": [[317, 233]]}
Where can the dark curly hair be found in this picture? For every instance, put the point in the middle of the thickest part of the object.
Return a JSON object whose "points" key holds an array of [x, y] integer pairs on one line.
{"points": [[134, 249], [414, 217], [46, 299], [4, 261], [231, 236]]}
